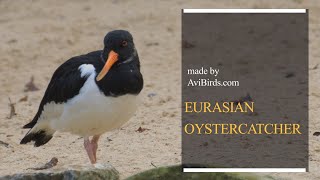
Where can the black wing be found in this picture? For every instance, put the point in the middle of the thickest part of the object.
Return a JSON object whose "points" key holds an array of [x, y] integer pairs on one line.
{"points": [[66, 82]]}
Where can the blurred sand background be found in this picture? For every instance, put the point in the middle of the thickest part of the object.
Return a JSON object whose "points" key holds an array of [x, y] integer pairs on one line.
{"points": [[37, 36]]}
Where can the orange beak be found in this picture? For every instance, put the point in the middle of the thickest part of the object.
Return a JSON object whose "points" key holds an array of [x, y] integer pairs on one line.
{"points": [[112, 58]]}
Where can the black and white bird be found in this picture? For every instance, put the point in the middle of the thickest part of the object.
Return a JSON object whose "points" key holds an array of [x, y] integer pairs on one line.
{"points": [[90, 94]]}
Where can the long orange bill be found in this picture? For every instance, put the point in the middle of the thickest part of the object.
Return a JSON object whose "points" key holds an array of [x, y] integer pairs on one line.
{"points": [[112, 58]]}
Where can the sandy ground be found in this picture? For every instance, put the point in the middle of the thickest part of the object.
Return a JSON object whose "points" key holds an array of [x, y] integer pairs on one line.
{"points": [[37, 36]]}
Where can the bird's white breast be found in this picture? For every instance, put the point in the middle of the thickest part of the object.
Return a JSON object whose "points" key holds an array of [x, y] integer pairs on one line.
{"points": [[91, 112]]}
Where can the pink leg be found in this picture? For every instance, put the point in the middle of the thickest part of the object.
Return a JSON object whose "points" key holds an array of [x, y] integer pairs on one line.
{"points": [[88, 147], [91, 148], [94, 142]]}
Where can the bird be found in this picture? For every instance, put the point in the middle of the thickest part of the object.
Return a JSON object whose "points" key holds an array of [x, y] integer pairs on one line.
{"points": [[90, 94]]}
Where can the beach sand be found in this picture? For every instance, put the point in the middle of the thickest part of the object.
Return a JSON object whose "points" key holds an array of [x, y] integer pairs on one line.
{"points": [[37, 36]]}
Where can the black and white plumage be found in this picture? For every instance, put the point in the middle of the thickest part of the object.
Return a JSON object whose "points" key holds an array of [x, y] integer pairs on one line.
{"points": [[90, 94]]}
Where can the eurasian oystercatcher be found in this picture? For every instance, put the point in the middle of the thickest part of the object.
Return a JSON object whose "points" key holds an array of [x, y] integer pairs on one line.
{"points": [[90, 94]]}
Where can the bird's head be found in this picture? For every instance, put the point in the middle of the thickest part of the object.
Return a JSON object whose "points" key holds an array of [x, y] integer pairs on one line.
{"points": [[118, 48]]}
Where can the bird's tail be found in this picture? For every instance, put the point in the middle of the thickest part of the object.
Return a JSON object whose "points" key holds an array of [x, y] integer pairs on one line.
{"points": [[39, 136]]}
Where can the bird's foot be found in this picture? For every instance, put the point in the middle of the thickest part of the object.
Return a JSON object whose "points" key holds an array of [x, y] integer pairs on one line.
{"points": [[99, 166]]}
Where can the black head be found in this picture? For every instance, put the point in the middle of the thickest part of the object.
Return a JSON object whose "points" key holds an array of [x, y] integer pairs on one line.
{"points": [[121, 42], [118, 48]]}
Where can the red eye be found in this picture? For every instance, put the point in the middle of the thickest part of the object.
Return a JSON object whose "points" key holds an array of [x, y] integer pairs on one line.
{"points": [[124, 43]]}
